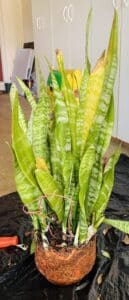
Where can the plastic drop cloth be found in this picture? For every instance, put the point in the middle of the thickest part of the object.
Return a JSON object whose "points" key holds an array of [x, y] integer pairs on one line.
{"points": [[109, 279]]}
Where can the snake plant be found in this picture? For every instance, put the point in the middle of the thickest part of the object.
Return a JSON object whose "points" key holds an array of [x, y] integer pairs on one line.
{"points": [[58, 154]]}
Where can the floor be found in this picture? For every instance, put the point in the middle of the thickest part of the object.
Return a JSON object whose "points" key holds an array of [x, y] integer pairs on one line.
{"points": [[7, 183]]}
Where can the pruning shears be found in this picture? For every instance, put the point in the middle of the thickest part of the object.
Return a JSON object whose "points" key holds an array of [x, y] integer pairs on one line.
{"points": [[8, 241]]}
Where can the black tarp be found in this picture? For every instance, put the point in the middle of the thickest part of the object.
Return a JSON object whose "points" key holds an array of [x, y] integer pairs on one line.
{"points": [[109, 278]]}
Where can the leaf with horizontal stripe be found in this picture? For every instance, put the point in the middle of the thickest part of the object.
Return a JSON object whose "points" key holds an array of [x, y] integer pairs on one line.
{"points": [[52, 191], [118, 224], [106, 187], [21, 146], [84, 178]]}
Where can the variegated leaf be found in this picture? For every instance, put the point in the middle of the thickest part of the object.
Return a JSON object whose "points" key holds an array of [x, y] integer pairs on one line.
{"points": [[107, 185], [118, 224], [84, 178], [22, 148], [52, 192]]}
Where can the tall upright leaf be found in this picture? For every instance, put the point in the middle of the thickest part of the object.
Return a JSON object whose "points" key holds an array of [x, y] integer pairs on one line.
{"points": [[55, 158], [27, 93], [63, 136], [41, 122], [32, 103], [83, 90], [84, 178], [21, 146], [70, 100], [107, 185], [109, 80], [97, 132], [90, 105], [21, 115], [101, 147]]}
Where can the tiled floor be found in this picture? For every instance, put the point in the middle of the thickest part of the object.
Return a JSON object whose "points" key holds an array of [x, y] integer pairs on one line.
{"points": [[7, 184]]}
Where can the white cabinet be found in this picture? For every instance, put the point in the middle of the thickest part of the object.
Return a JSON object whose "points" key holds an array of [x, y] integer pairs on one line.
{"points": [[42, 30], [61, 24], [78, 12], [60, 29], [123, 107]]}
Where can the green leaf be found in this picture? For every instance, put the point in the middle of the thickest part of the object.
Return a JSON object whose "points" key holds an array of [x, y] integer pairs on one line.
{"points": [[109, 123], [91, 102], [62, 130], [109, 80], [30, 197], [107, 185], [97, 171], [28, 193], [21, 146], [70, 100], [33, 105], [83, 91], [32, 247], [41, 122], [84, 176], [88, 23], [40, 128], [69, 192], [42, 85], [55, 157], [75, 208], [118, 224], [28, 93], [21, 116], [52, 191]]}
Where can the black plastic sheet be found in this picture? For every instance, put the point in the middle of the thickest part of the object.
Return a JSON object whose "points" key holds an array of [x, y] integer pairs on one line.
{"points": [[109, 278]]}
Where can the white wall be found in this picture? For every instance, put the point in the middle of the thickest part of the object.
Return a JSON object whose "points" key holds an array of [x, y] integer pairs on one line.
{"points": [[15, 29], [11, 31], [27, 20]]}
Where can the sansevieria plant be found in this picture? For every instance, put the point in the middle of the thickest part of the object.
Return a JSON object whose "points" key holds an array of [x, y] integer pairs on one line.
{"points": [[59, 153]]}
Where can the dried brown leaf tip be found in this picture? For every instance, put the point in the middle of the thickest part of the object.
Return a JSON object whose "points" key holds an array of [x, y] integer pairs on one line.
{"points": [[98, 298], [106, 229], [126, 240], [100, 279]]}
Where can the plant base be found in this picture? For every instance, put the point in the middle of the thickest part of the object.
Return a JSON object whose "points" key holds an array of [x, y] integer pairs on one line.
{"points": [[68, 265]]}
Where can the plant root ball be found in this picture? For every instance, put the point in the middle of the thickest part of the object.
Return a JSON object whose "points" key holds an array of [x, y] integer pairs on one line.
{"points": [[67, 265]]}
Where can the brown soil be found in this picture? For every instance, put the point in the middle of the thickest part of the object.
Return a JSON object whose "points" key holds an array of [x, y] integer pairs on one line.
{"points": [[67, 265], [56, 238]]}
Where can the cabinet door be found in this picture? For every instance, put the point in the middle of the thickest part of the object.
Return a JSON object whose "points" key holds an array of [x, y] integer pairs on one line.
{"points": [[41, 16], [77, 12], [60, 28], [101, 26], [123, 109], [103, 11]]}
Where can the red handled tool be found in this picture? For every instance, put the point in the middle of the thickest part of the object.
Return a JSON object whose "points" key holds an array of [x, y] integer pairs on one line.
{"points": [[7, 241]]}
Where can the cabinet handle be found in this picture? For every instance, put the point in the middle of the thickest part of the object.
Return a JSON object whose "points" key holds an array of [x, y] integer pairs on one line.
{"points": [[115, 4], [126, 2], [65, 16], [70, 12], [38, 23]]}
